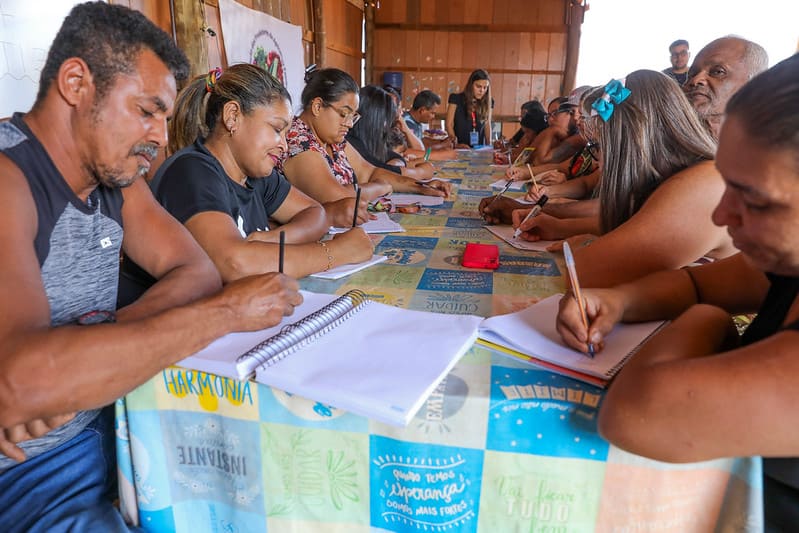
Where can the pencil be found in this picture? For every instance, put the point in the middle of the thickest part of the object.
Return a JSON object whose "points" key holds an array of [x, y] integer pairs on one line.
{"points": [[532, 176], [567, 255], [282, 252], [357, 201]]}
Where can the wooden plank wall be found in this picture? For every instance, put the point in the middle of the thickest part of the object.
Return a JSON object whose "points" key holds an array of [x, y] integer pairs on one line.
{"points": [[436, 44], [343, 24]]}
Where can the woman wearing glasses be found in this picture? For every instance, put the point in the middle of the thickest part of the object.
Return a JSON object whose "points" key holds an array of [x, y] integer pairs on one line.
{"points": [[324, 166]]}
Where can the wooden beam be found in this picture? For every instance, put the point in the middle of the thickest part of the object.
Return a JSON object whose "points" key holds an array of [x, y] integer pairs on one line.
{"points": [[493, 71], [190, 34], [482, 28], [369, 31], [575, 14], [344, 49], [320, 36]]}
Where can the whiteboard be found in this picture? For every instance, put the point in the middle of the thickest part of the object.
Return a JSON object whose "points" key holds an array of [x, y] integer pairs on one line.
{"points": [[27, 28]]}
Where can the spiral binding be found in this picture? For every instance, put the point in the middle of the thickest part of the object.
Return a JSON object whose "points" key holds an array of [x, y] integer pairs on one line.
{"points": [[294, 336], [611, 373]]}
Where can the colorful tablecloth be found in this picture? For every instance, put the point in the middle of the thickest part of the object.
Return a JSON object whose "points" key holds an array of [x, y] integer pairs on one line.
{"points": [[498, 447]]}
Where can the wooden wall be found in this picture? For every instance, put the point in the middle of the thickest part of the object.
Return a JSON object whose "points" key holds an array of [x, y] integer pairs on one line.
{"points": [[436, 44], [341, 28], [529, 47]]}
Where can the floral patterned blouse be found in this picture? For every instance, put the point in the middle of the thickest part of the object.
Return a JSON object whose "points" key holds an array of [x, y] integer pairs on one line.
{"points": [[300, 138]]}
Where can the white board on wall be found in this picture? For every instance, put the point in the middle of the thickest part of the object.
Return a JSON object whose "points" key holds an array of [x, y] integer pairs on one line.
{"points": [[27, 29]]}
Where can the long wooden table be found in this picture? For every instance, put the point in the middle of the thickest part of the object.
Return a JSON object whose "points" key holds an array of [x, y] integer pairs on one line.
{"points": [[498, 447]]}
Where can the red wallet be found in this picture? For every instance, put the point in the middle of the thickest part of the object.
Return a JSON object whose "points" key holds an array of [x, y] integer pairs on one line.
{"points": [[478, 255]]}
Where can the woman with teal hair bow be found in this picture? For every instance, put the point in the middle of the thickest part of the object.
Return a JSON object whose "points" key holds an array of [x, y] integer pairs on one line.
{"points": [[658, 186]]}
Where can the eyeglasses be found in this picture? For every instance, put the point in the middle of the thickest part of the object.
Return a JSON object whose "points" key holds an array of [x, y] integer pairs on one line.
{"points": [[679, 54], [352, 116]]}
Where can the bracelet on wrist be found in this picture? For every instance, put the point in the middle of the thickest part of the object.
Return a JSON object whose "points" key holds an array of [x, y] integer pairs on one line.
{"points": [[326, 250]]}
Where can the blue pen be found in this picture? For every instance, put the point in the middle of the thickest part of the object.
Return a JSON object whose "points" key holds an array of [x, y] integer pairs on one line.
{"points": [[567, 255]]}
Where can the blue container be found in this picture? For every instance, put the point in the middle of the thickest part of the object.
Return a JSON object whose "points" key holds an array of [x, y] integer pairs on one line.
{"points": [[394, 79]]}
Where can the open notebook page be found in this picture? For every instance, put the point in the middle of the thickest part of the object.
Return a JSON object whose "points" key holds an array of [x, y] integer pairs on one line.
{"points": [[532, 331], [382, 362]]}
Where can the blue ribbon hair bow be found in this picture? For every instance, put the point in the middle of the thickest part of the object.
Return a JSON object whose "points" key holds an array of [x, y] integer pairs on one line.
{"points": [[615, 93]]}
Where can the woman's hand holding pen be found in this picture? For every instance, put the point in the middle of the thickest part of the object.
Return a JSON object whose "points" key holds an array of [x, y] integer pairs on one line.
{"points": [[540, 227], [604, 308], [340, 212], [535, 193], [517, 174], [498, 210], [353, 246]]}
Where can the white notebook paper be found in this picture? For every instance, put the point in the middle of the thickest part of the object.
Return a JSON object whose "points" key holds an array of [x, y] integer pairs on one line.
{"points": [[365, 357], [351, 268], [530, 335], [382, 224], [421, 199], [515, 185]]}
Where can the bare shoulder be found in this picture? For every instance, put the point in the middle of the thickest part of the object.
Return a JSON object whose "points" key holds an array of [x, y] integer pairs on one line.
{"points": [[702, 173], [686, 185], [16, 200]]}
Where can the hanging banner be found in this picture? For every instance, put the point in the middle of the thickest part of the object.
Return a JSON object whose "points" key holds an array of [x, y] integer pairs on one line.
{"points": [[26, 31], [255, 37]]}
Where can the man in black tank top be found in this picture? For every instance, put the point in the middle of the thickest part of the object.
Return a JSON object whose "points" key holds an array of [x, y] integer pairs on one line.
{"points": [[71, 169]]}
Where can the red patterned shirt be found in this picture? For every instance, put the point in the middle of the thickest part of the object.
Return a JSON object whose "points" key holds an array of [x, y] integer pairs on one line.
{"points": [[300, 138]]}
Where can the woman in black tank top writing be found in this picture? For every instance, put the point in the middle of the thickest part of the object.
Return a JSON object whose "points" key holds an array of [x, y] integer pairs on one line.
{"points": [[697, 390]]}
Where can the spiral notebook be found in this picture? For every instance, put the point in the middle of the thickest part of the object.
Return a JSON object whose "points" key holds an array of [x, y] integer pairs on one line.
{"points": [[360, 356], [530, 335]]}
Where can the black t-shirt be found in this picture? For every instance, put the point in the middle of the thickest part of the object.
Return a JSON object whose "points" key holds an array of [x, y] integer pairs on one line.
{"points": [[360, 147], [462, 123], [780, 475], [192, 181]]}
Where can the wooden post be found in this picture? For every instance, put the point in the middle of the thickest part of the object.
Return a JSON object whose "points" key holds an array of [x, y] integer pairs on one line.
{"points": [[575, 12], [320, 36], [369, 53], [190, 33]]}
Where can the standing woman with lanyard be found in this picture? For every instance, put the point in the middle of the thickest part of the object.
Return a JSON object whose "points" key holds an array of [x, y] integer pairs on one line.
{"points": [[469, 112]]}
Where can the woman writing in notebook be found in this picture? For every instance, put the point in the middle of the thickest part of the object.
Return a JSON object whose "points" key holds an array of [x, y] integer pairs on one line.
{"points": [[468, 119], [370, 135], [658, 186], [684, 394], [322, 164], [226, 135]]}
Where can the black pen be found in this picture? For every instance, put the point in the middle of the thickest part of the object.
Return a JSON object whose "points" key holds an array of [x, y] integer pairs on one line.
{"points": [[282, 251], [357, 201]]}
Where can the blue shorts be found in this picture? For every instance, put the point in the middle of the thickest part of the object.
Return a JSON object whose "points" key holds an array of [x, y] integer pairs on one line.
{"points": [[70, 488]]}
